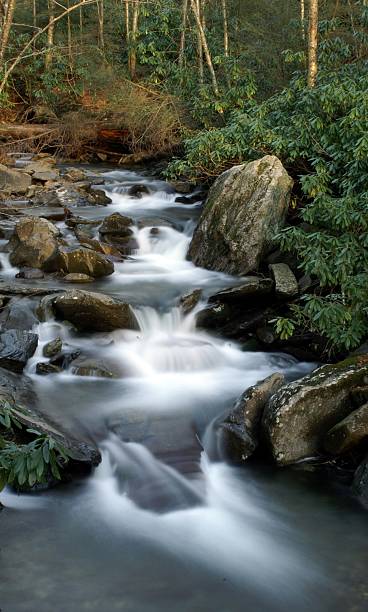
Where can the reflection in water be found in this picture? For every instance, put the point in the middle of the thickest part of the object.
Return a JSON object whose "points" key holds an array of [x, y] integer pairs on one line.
{"points": [[160, 526]]}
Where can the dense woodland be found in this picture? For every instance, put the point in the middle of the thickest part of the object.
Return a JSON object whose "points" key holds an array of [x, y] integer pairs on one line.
{"points": [[208, 84]]}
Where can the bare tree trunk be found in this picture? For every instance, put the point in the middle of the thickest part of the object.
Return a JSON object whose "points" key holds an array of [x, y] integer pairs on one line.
{"points": [[313, 43], [127, 30], [101, 25], [206, 50], [200, 48], [302, 18], [133, 39], [226, 28], [183, 32], [50, 34], [81, 24], [31, 42], [6, 27], [69, 29]]}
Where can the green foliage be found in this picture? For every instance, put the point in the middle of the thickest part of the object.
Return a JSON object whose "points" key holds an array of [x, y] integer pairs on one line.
{"points": [[30, 463]]}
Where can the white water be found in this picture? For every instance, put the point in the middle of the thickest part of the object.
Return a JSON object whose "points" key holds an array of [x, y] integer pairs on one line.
{"points": [[156, 486]]}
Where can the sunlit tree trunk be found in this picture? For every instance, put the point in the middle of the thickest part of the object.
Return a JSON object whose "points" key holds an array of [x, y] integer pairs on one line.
{"points": [[302, 18], [50, 34], [101, 23], [133, 40], [226, 28], [127, 30], [313, 43], [184, 18], [205, 47], [8, 14]]}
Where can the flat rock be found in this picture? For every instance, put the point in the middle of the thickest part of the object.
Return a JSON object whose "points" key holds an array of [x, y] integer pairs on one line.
{"points": [[13, 181], [239, 433], [16, 347], [77, 277], [78, 260], [348, 433], [251, 286], [94, 311], [42, 171], [245, 208], [298, 416], [286, 285]]}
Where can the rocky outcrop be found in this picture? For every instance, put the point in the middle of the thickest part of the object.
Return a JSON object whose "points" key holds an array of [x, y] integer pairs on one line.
{"points": [[298, 417], [16, 347], [14, 181], [78, 260], [94, 311], [239, 433], [286, 285], [245, 208], [34, 243], [348, 433]]}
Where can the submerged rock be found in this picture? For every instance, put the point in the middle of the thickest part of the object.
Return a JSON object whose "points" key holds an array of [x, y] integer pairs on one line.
{"points": [[78, 278], [34, 243], [94, 311], [16, 347], [189, 302], [245, 208], [348, 433], [90, 367], [44, 369], [299, 415], [239, 433]]}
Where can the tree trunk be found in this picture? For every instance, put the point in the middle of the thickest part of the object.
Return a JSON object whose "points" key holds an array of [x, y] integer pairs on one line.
{"points": [[69, 29], [313, 43], [127, 30], [101, 25], [6, 27], [50, 34], [226, 28], [200, 48], [302, 18], [206, 50], [133, 38], [183, 31]]}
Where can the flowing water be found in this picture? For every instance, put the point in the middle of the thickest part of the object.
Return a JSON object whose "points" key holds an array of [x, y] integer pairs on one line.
{"points": [[164, 523]]}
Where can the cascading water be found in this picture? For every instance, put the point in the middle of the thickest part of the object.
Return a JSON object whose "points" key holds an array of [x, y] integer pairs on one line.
{"points": [[160, 526]]}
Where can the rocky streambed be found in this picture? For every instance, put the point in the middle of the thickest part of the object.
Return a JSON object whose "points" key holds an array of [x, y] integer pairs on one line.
{"points": [[153, 372]]}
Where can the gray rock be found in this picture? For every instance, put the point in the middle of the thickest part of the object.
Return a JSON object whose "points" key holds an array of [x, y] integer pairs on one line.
{"points": [[13, 181], [78, 278], [35, 241], [182, 186], [252, 286], [245, 208], [298, 416], [30, 274], [16, 347], [78, 260], [19, 313], [75, 175], [94, 311], [348, 433], [42, 171], [137, 191], [91, 367], [44, 369], [239, 433], [52, 348], [286, 285]]}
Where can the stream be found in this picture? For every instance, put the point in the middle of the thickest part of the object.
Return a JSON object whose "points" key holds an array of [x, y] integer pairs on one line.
{"points": [[164, 523]]}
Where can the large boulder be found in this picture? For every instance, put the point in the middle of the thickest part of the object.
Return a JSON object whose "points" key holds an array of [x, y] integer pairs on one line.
{"points": [[245, 208], [239, 433], [286, 285], [297, 418], [116, 225], [94, 311], [348, 433], [78, 260], [35, 241], [14, 181], [16, 347]]}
